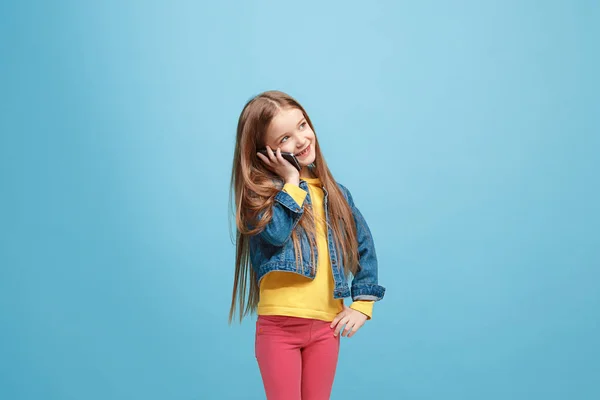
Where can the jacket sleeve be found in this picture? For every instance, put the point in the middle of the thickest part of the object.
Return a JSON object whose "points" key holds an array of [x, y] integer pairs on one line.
{"points": [[287, 210], [365, 285]]}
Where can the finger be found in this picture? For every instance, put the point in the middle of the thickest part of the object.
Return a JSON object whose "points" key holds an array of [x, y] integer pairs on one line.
{"points": [[264, 158], [340, 324], [280, 157], [355, 329], [337, 318], [349, 326], [335, 321], [271, 155]]}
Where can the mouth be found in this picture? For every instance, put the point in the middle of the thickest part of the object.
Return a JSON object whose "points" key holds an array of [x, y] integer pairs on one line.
{"points": [[304, 152]]}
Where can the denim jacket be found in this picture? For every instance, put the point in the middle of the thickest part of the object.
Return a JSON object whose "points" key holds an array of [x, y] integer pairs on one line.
{"points": [[273, 250]]}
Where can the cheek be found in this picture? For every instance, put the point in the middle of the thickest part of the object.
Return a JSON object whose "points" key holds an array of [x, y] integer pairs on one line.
{"points": [[313, 139], [287, 147]]}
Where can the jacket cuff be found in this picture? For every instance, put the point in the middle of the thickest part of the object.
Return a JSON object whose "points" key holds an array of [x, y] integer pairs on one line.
{"points": [[367, 291], [291, 197]]}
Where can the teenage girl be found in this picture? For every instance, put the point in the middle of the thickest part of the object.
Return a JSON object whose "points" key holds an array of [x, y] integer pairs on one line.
{"points": [[299, 239]]}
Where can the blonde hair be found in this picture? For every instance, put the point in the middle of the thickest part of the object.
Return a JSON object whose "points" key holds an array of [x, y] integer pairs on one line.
{"points": [[254, 188]]}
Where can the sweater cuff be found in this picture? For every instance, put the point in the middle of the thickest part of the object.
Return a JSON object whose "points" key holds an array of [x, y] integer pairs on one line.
{"points": [[364, 306], [297, 193]]}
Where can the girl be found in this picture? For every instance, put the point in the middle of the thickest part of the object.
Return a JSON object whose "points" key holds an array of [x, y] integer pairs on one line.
{"points": [[299, 237]]}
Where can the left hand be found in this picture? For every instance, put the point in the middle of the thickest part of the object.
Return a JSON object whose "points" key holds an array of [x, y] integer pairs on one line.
{"points": [[353, 320]]}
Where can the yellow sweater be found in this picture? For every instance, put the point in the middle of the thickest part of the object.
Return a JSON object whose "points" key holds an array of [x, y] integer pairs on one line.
{"points": [[292, 294]]}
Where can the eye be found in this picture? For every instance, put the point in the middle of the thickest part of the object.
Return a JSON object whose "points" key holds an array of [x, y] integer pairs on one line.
{"points": [[303, 125], [283, 139]]}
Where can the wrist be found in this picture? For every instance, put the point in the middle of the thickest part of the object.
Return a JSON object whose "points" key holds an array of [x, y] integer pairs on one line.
{"points": [[293, 181]]}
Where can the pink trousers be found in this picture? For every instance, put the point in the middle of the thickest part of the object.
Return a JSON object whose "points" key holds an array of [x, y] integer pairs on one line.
{"points": [[297, 357]]}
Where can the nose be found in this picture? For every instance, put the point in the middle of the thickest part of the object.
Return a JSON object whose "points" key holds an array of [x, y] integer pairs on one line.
{"points": [[301, 143]]}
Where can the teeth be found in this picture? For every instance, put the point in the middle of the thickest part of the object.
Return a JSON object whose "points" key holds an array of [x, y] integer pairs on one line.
{"points": [[303, 151]]}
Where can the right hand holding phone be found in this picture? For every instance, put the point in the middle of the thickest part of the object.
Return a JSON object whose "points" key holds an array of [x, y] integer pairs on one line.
{"points": [[276, 163]]}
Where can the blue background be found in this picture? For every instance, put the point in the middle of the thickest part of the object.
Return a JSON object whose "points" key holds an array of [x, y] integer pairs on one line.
{"points": [[467, 131]]}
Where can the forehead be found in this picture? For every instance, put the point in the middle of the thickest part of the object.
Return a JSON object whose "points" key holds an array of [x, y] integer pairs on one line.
{"points": [[285, 121]]}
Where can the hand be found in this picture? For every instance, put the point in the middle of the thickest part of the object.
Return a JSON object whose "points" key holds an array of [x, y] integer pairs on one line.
{"points": [[353, 320], [276, 163]]}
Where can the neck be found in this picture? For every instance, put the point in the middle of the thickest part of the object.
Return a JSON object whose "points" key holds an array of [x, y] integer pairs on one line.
{"points": [[307, 173]]}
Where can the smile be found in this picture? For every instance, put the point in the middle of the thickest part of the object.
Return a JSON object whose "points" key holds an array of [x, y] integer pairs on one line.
{"points": [[303, 152]]}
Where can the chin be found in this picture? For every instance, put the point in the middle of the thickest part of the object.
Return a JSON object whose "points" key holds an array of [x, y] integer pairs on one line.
{"points": [[308, 162]]}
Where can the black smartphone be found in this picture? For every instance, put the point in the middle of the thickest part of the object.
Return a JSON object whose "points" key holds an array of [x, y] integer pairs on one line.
{"points": [[290, 157]]}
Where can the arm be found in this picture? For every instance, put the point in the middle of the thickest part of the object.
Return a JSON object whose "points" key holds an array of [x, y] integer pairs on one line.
{"points": [[287, 210], [365, 285]]}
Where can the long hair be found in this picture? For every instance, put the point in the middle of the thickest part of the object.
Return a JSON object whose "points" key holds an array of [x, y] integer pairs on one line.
{"points": [[254, 187]]}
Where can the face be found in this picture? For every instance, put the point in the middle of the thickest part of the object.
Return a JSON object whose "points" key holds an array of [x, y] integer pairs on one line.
{"points": [[290, 131]]}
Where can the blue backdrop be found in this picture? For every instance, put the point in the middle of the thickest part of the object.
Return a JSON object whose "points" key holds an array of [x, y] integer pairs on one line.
{"points": [[467, 131]]}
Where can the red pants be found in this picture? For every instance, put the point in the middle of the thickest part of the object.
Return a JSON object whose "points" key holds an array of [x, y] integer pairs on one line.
{"points": [[297, 357]]}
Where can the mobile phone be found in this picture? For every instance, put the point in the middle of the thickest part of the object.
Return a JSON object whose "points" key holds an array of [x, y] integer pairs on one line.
{"points": [[290, 157]]}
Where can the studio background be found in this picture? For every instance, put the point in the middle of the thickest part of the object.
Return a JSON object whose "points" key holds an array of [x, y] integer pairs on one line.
{"points": [[467, 131]]}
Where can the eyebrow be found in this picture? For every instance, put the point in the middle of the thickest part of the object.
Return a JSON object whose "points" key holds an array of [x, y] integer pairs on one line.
{"points": [[287, 133]]}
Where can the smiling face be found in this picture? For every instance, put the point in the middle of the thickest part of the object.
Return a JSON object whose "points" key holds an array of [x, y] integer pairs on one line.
{"points": [[290, 131]]}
